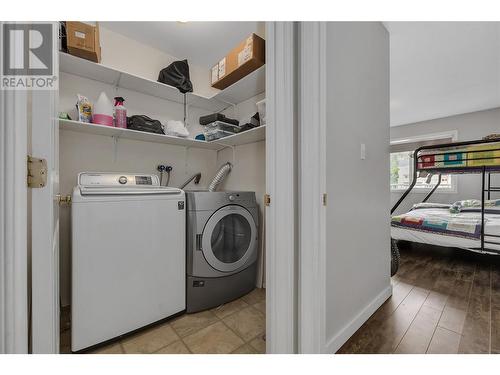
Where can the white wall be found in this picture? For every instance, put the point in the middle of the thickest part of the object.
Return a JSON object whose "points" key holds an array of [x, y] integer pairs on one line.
{"points": [[249, 171], [469, 126], [248, 174], [84, 152], [128, 55], [357, 226]]}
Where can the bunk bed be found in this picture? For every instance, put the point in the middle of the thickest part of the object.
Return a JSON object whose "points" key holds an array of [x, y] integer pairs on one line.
{"points": [[470, 224]]}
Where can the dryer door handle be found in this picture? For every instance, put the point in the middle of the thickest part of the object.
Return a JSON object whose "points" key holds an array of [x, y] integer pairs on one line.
{"points": [[199, 237]]}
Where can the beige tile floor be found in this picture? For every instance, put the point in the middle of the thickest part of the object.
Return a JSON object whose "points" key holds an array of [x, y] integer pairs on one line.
{"points": [[236, 327]]}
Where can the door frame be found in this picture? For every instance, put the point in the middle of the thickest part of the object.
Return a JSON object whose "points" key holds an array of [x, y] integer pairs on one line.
{"points": [[281, 181], [45, 301], [13, 221], [312, 186], [281, 215]]}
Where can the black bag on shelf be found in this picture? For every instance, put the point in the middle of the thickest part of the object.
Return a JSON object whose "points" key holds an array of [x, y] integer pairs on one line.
{"points": [[144, 123], [208, 119], [177, 75]]}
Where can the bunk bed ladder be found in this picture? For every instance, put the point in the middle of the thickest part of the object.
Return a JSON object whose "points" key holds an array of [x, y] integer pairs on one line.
{"points": [[483, 178], [433, 189]]}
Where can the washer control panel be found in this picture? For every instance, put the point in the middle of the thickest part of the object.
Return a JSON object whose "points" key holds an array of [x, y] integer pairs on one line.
{"points": [[234, 197], [117, 179]]}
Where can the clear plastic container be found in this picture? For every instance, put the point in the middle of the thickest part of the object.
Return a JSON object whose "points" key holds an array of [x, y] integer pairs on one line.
{"points": [[261, 108], [218, 129]]}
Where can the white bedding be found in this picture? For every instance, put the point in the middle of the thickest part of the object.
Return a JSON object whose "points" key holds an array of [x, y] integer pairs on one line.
{"points": [[492, 226]]}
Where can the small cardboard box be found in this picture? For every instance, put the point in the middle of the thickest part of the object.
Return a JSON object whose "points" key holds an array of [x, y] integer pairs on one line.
{"points": [[248, 56], [83, 40]]}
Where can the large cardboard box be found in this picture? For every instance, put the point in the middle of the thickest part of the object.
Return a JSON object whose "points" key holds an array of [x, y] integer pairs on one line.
{"points": [[83, 40], [248, 56]]}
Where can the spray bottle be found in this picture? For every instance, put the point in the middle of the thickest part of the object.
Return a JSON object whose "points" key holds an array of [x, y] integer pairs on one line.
{"points": [[120, 113]]}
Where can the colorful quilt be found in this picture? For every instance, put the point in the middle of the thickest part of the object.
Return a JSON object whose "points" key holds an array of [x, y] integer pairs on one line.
{"points": [[441, 221]]}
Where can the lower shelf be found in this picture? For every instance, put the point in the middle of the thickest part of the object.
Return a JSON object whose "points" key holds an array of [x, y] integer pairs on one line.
{"points": [[249, 136]]}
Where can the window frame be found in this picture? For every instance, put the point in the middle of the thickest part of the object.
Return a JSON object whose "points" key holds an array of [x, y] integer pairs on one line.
{"points": [[453, 134]]}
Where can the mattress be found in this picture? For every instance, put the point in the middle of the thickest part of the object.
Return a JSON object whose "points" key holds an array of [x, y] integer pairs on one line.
{"points": [[438, 225]]}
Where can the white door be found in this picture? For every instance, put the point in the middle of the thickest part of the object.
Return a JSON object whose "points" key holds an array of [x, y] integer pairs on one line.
{"points": [[28, 217], [45, 219], [344, 160], [13, 222]]}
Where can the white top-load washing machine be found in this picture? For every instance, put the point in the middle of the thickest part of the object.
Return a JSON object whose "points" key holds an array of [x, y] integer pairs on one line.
{"points": [[128, 255]]}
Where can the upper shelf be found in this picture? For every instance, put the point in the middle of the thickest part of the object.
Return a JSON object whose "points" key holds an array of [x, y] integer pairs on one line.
{"points": [[249, 136], [98, 72], [249, 86], [246, 88]]}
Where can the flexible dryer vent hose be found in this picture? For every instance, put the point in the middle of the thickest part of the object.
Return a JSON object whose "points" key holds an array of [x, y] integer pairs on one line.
{"points": [[220, 176]]}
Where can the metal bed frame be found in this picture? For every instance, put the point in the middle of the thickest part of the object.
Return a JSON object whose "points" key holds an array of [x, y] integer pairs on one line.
{"points": [[486, 188]]}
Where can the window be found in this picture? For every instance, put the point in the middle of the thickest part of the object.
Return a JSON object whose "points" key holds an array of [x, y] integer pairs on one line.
{"points": [[401, 163]]}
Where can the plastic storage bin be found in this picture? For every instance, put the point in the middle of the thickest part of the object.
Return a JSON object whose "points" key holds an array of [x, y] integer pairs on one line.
{"points": [[261, 108], [217, 130]]}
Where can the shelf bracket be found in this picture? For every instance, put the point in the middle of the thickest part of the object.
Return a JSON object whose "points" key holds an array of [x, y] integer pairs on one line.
{"points": [[115, 147], [186, 155], [117, 83]]}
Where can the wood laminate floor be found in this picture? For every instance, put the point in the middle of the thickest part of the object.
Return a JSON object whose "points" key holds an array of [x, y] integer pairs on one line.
{"points": [[444, 301]]}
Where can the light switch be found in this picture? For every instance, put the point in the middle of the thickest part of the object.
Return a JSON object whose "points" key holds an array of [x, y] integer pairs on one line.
{"points": [[363, 151]]}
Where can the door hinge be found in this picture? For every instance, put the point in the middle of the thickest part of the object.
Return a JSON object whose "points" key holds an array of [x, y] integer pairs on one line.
{"points": [[267, 200], [63, 199], [325, 197], [37, 172]]}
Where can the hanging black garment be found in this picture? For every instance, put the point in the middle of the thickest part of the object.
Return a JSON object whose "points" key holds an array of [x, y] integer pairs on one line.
{"points": [[177, 75]]}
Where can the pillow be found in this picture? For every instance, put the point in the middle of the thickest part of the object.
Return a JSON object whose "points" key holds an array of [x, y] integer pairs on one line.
{"points": [[416, 206], [474, 205]]}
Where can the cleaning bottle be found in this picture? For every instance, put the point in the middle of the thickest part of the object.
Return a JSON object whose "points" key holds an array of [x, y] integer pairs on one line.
{"points": [[120, 113], [103, 111]]}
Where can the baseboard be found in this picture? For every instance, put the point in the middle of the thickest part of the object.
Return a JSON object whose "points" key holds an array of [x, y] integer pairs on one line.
{"points": [[345, 333]]}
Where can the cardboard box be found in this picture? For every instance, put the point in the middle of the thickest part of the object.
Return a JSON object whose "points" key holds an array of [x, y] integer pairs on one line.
{"points": [[248, 56], [83, 40]]}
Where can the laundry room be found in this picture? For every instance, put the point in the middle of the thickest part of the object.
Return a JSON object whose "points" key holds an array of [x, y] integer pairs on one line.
{"points": [[162, 131]]}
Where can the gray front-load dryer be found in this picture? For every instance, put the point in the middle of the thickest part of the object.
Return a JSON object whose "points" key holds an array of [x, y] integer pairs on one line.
{"points": [[222, 245]]}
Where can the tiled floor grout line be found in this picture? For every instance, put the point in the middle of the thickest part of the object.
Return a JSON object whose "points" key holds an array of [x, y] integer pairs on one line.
{"points": [[236, 333], [179, 338], [224, 323]]}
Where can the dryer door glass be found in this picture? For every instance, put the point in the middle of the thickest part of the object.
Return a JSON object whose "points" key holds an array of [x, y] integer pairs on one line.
{"points": [[230, 238]]}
